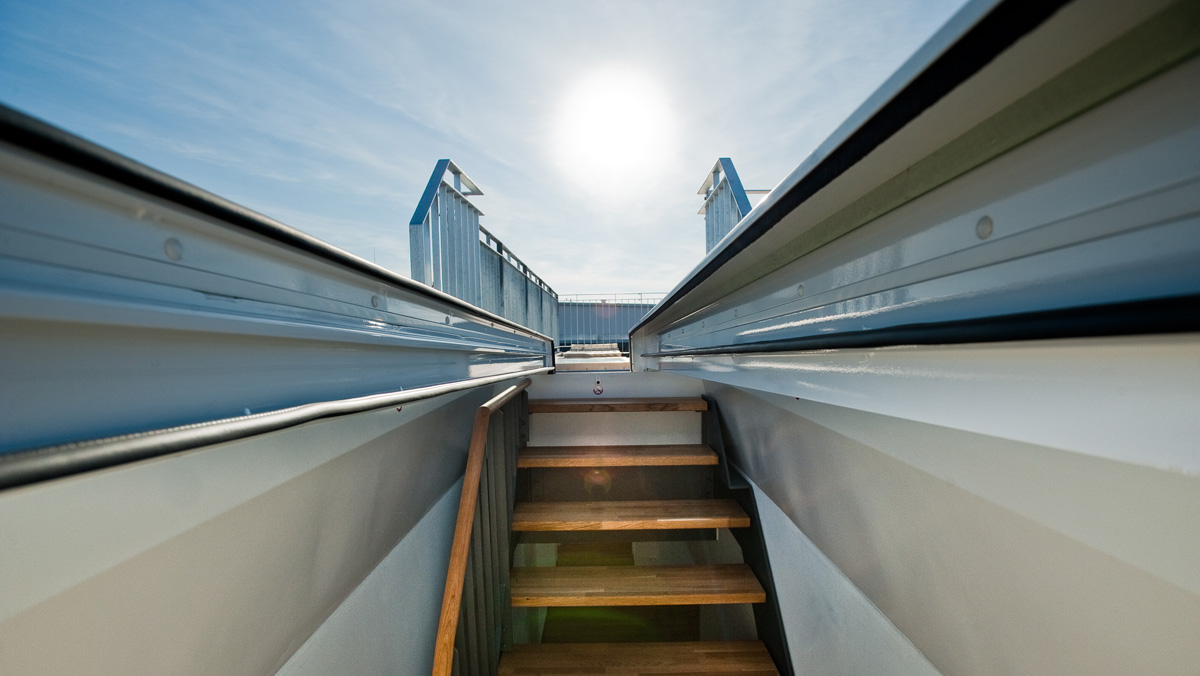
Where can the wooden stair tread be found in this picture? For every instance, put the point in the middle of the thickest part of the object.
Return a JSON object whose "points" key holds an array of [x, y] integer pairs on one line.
{"points": [[616, 405], [616, 456], [638, 659], [628, 515], [634, 585]]}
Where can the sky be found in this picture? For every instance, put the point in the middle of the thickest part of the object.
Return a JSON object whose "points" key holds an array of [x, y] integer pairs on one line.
{"points": [[589, 126]]}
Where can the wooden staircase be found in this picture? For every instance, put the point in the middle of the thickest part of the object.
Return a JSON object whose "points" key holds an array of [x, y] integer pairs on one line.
{"points": [[567, 586]]}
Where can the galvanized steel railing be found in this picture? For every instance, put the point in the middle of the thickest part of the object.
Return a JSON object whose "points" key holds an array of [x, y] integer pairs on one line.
{"points": [[510, 289], [451, 252], [589, 319], [725, 201], [443, 235], [474, 625]]}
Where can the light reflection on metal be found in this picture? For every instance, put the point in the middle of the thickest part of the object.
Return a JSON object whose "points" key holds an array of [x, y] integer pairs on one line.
{"points": [[835, 317]]}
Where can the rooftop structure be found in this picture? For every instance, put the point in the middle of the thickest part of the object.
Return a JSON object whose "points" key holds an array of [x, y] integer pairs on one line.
{"points": [[726, 202], [929, 408], [450, 251]]}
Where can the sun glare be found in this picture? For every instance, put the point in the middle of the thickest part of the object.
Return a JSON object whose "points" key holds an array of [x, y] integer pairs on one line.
{"points": [[613, 128]]}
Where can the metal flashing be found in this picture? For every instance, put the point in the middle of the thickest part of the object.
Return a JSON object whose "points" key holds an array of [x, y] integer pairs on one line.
{"points": [[969, 42], [38, 137]]}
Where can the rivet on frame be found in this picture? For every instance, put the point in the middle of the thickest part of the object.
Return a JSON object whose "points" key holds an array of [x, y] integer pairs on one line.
{"points": [[983, 229], [173, 248]]}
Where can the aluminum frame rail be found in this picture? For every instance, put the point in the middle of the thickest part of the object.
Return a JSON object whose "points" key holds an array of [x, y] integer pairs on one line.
{"points": [[471, 628], [1061, 203], [52, 143], [131, 301]]}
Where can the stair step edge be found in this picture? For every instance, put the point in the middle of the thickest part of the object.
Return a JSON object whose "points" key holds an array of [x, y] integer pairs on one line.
{"points": [[593, 586], [633, 455], [617, 405], [628, 515], [640, 659]]}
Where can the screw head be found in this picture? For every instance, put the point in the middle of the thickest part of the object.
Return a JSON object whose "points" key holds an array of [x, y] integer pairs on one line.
{"points": [[983, 229], [376, 301], [173, 248]]}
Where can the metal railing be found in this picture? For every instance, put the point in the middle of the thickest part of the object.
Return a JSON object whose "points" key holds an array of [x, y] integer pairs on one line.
{"points": [[51, 462], [510, 289], [725, 201], [590, 319], [474, 624], [631, 298], [451, 252]]}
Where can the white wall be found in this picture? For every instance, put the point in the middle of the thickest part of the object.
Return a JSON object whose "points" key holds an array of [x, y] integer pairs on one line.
{"points": [[832, 627], [227, 559], [389, 623]]}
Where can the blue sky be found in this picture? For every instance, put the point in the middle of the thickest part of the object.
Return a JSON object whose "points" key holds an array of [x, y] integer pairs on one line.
{"points": [[329, 115]]}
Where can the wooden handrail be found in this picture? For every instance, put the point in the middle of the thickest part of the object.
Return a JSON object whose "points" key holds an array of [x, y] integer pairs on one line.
{"points": [[443, 655]]}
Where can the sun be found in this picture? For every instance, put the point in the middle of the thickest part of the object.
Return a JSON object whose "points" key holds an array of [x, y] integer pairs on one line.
{"points": [[613, 128]]}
